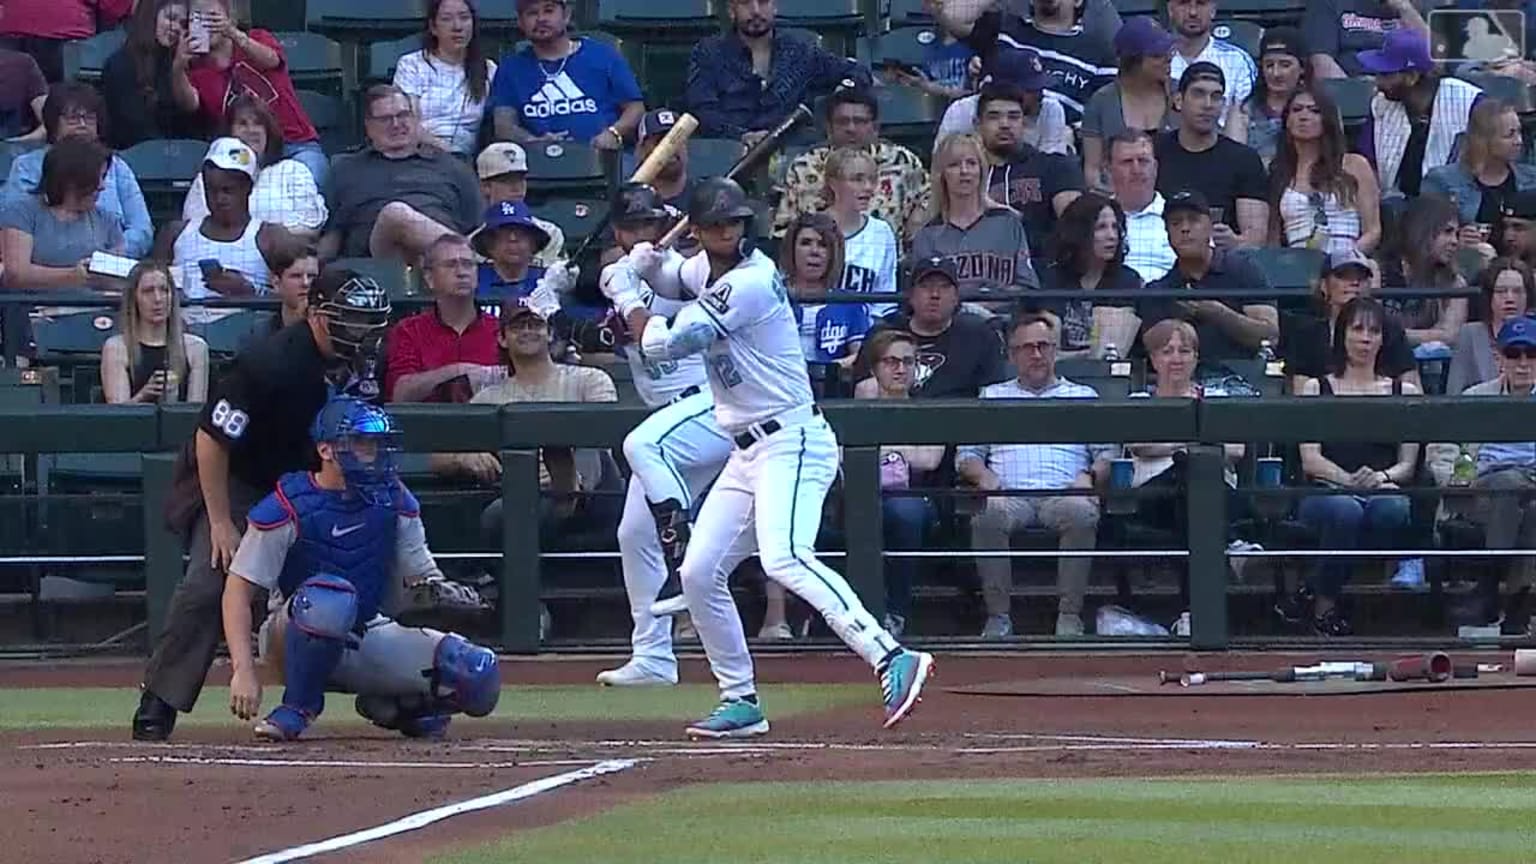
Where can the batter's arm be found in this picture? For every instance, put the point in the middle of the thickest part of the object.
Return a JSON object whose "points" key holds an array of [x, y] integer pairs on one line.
{"points": [[692, 332]]}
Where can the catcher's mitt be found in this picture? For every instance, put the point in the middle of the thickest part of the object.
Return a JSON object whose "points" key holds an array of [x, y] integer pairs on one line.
{"points": [[436, 599]]}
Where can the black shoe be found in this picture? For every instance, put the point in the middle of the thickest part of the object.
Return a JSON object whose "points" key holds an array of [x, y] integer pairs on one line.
{"points": [[154, 719], [1331, 623], [1292, 608]]}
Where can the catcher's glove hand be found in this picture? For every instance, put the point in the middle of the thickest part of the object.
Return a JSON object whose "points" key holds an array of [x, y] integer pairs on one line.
{"points": [[437, 594]]}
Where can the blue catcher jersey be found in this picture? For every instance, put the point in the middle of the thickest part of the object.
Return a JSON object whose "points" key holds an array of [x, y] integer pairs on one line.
{"points": [[336, 533]]}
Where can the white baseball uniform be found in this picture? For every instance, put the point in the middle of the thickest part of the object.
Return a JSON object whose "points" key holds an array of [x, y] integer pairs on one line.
{"points": [[675, 453], [769, 497]]}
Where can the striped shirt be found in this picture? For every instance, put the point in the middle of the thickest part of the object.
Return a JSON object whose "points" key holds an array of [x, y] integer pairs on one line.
{"points": [[1080, 62], [1391, 128], [1037, 466], [284, 194]]}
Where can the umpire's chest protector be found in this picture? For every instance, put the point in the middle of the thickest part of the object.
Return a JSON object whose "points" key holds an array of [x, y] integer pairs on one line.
{"points": [[341, 535]]}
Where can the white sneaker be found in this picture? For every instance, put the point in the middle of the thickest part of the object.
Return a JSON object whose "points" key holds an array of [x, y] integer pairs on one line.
{"points": [[1068, 624], [636, 674], [997, 627], [779, 632]]}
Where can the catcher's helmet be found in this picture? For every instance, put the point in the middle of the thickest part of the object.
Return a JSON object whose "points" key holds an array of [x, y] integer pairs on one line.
{"points": [[344, 423], [637, 202], [718, 200], [358, 308]]}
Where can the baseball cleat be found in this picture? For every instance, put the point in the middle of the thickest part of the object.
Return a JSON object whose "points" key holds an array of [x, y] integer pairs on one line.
{"points": [[734, 718], [635, 674], [283, 724], [901, 683], [668, 606]]}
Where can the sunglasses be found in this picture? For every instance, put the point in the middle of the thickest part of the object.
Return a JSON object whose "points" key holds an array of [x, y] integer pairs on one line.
{"points": [[1516, 352]]}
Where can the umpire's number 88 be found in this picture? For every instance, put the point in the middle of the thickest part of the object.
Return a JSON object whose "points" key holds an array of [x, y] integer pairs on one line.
{"points": [[230, 420]]}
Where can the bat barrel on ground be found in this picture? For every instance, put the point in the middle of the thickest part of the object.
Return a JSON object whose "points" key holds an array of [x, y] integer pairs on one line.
{"points": [[675, 139]]}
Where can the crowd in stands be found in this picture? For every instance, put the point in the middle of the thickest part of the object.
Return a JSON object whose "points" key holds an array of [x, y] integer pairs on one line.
{"points": [[1079, 151]]}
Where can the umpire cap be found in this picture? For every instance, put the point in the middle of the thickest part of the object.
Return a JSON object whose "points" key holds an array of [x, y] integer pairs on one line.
{"points": [[636, 202], [718, 200]]}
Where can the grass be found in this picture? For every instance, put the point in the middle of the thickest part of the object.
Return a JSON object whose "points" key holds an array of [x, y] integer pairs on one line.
{"points": [[1406, 819], [89, 707]]}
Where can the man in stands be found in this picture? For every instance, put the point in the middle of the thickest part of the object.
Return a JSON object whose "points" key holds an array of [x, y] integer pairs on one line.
{"points": [[746, 81], [509, 240], [563, 89], [1133, 178], [23, 90], [43, 27], [1338, 30], [1039, 185], [503, 170], [395, 196], [673, 183], [1045, 123], [1418, 116], [1192, 22], [957, 353], [1196, 156], [446, 353]]}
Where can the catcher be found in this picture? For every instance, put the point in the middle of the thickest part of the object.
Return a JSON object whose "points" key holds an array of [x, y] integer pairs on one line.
{"points": [[333, 548]]}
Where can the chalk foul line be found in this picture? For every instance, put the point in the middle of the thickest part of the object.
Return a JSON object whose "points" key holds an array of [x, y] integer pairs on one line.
{"points": [[252, 762], [437, 814]]}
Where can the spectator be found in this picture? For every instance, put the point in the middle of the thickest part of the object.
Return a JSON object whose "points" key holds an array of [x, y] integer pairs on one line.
{"points": [[853, 121], [1320, 195], [394, 197], [746, 81], [1307, 338], [1192, 21], [1514, 233], [1339, 31], [1133, 178], [562, 89], [1489, 171], [223, 254], [946, 68], [1428, 242], [503, 170], [1088, 253], [1045, 123], [1508, 291], [75, 111], [1230, 175], [41, 28], [1037, 185], [47, 236], [292, 267], [985, 239], [869, 244], [1353, 520], [1032, 341], [1137, 99], [448, 352], [165, 364], [1080, 61], [448, 79], [672, 182], [148, 94], [1416, 114], [251, 63], [957, 353], [810, 258], [285, 192], [23, 91], [1283, 71], [1228, 329], [509, 240], [905, 518]]}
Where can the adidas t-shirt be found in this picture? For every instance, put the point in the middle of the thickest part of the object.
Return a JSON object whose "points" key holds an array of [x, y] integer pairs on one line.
{"points": [[580, 95]]}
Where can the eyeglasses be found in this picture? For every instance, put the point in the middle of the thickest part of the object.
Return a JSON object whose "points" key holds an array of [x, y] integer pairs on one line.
{"points": [[894, 363], [397, 117], [1516, 352], [1033, 347]]}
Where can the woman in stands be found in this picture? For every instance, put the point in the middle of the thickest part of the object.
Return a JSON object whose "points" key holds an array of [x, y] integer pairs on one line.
{"points": [[1307, 337], [1488, 172], [151, 359], [239, 63], [145, 83], [1355, 518], [1508, 290], [1137, 98], [1282, 72], [1321, 196], [1429, 240], [869, 243], [811, 262], [985, 238], [1088, 253], [448, 79], [47, 237], [285, 193], [76, 111]]}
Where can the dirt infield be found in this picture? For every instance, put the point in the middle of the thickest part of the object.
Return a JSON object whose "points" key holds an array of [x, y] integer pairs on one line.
{"points": [[213, 796]]}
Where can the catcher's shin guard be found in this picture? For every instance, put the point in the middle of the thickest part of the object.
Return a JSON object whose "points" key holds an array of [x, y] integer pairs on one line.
{"points": [[672, 529], [321, 616]]}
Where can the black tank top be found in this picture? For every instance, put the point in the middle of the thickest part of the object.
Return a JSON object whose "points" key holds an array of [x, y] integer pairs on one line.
{"points": [[151, 359], [1354, 455]]}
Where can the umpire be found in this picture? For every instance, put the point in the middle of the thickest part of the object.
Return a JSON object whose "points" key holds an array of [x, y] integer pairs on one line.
{"points": [[254, 428]]}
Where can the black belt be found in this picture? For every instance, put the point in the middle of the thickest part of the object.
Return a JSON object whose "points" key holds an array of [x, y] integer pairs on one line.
{"points": [[688, 393], [748, 438]]}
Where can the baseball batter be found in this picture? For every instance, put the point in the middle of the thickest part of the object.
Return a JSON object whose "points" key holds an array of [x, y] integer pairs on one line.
{"points": [[673, 455], [769, 496], [335, 547]]}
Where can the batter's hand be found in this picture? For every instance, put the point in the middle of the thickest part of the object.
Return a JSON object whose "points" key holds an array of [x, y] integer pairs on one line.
{"points": [[653, 342], [646, 259], [245, 694], [223, 539]]}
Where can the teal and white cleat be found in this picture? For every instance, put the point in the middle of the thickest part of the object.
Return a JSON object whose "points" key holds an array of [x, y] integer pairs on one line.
{"points": [[901, 683], [734, 718]]}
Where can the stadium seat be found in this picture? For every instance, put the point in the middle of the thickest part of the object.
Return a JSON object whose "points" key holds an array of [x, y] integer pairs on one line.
{"points": [[673, 18], [577, 217], [1292, 268], [277, 15], [1353, 96], [84, 59], [165, 169], [904, 13], [566, 169], [314, 62], [838, 22], [1243, 34], [907, 46], [908, 116], [329, 119], [350, 21], [390, 274], [1504, 88], [226, 333], [382, 57], [1269, 13], [712, 157], [76, 332]]}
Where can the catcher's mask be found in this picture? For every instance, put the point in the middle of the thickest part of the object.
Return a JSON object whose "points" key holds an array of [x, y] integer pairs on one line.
{"points": [[357, 312], [364, 440]]}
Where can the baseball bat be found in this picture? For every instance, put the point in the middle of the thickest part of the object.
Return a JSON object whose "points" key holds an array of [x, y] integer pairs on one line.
{"points": [[756, 153], [675, 139]]}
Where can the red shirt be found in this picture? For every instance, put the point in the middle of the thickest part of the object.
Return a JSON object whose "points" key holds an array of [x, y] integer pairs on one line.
{"points": [[216, 88], [60, 19], [423, 342]]}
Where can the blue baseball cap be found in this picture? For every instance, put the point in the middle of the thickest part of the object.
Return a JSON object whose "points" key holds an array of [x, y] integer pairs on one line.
{"points": [[510, 214], [1020, 67], [1142, 37], [1518, 332], [1403, 50]]}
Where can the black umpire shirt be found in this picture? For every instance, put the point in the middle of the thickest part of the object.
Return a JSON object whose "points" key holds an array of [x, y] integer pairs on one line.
{"points": [[262, 408]]}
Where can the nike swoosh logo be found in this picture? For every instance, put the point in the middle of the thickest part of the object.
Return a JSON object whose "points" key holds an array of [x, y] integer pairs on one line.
{"points": [[338, 531]]}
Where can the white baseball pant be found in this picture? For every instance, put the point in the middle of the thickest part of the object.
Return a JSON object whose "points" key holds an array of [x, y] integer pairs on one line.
{"points": [[769, 497], [675, 453]]}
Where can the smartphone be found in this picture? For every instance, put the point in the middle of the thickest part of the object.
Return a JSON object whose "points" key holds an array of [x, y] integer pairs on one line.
{"points": [[211, 268], [197, 31]]}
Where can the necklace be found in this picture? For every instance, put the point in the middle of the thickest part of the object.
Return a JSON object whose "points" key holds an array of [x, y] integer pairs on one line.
{"points": [[550, 76]]}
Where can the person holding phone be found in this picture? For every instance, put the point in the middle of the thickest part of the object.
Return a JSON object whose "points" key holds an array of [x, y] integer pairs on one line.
{"points": [[1489, 172], [150, 359], [144, 85]]}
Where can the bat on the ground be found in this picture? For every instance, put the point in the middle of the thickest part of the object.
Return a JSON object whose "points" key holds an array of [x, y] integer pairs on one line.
{"points": [[1320, 672], [755, 154], [675, 139]]}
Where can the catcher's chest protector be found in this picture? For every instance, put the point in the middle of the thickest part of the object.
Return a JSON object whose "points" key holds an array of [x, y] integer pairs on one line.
{"points": [[340, 535]]}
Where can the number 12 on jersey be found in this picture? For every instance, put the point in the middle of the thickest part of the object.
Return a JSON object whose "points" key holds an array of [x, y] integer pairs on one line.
{"points": [[725, 369]]}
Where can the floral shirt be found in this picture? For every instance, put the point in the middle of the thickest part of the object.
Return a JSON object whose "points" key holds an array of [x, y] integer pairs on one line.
{"points": [[902, 194]]}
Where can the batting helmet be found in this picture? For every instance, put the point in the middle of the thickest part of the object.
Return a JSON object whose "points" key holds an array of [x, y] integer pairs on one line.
{"points": [[345, 422], [718, 200], [637, 202], [358, 308]]}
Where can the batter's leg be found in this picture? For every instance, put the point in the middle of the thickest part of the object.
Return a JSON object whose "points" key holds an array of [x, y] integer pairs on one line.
{"points": [[652, 660]]}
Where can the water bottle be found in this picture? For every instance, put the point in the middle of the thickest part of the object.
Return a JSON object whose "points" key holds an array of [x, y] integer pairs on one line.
{"points": [[1464, 471], [1266, 350], [1272, 366], [1111, 353]]}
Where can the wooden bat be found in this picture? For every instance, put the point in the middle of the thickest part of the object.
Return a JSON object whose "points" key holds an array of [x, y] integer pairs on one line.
{"points": [[755, 154], [675, 139]]}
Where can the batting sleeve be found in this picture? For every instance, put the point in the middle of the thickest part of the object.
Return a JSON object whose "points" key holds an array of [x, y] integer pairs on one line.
{"points": [[413, 560], [263, 549]]}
